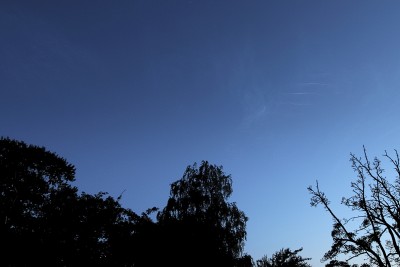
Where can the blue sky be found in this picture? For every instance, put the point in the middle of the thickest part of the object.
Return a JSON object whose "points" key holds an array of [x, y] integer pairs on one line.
{"points": [[278, 92]]}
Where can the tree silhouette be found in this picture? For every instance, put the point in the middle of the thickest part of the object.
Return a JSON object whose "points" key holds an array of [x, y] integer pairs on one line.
{"points": [[31, 178], [43, 220], [284, 258], [376, 205], [336, 263], [244, 261], [204, 228]]}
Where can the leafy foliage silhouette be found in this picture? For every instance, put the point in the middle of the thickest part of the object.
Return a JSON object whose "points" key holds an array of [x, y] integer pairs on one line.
{"points": [[376, 205], [44, 222], [284, 258], [336, 263], [204, 225]]}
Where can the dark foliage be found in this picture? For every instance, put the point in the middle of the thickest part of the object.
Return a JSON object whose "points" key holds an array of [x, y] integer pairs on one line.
{"points": [[336, 263], [244, 261], [199, 227], [284, 258], [43, 220]]}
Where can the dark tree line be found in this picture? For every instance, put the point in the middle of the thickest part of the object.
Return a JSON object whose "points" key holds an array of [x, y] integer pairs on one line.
{"points": [[45, 221]]}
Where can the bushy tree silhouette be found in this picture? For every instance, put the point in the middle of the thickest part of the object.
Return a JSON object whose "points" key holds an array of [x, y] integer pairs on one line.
{"points": [[244, 261], [203, 227], [373, 231], [43, 220], [337, 263], [32, 179], [284, 258]]}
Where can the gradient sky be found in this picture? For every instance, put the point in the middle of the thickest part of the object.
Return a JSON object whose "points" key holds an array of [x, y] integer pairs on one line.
{"points": [[278, 92]]}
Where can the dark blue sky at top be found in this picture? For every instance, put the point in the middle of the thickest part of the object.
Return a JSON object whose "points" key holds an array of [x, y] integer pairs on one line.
{"points": [[278, 92]]}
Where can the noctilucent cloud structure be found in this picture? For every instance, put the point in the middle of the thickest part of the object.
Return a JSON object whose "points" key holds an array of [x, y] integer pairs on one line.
{"points": [[277, 92]]}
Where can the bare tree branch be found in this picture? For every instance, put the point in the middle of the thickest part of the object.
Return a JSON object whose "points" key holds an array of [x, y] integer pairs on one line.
{"points": [[376, 204]]}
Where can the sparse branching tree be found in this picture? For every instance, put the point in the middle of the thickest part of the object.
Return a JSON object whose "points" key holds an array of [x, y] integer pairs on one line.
{"points": [[373, 232]]}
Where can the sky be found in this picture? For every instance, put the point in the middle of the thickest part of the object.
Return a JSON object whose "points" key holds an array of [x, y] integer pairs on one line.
{"points": [[277, 92]]}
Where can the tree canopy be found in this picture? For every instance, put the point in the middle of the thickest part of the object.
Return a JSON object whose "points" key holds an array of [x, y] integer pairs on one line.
{"points": [[198, 209], [45, 221], [284, 258]]}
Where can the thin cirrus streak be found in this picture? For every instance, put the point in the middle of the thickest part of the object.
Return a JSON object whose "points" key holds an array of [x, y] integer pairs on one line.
{"points": [[313, 83], [311, 89], [294, 104], [301, 93]]}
